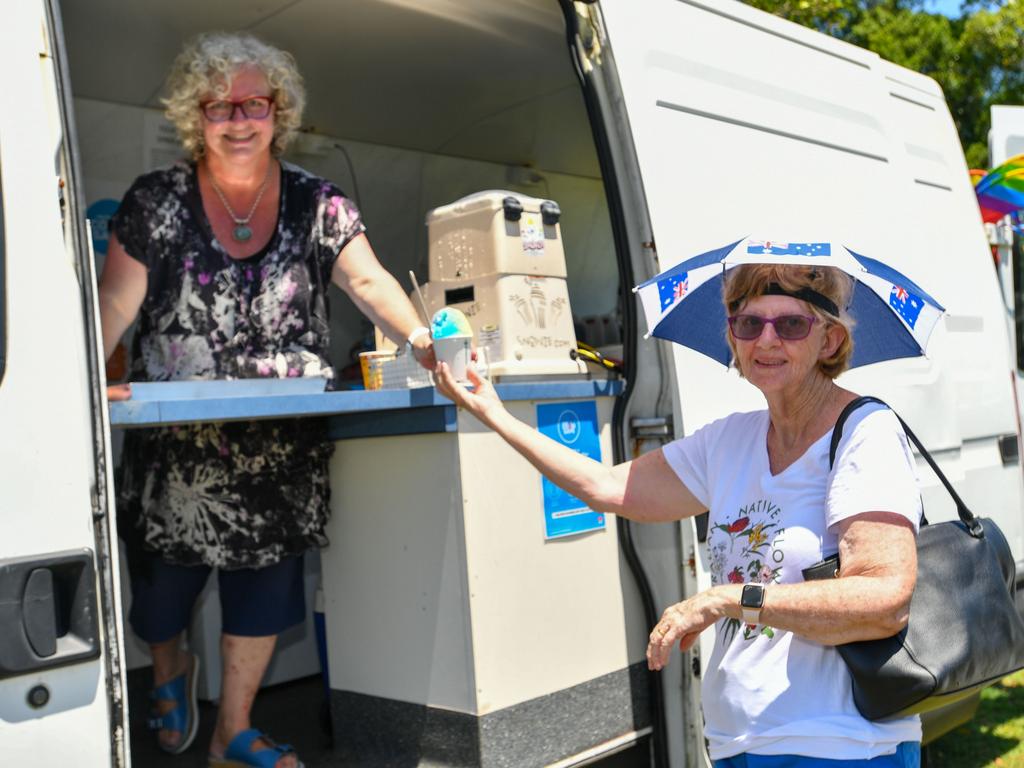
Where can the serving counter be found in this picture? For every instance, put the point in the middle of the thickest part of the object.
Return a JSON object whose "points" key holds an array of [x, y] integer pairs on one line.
{"points": [[464, 627], [173, 402]]}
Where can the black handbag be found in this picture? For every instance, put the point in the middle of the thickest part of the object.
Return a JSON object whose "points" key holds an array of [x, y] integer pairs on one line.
{"points": [[964, 631]]}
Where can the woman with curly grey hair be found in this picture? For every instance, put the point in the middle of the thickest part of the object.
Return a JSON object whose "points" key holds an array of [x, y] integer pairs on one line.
{"points": [[206, 67], [226, 260]]}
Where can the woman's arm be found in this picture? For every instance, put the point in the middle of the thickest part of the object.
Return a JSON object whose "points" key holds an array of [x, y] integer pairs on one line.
{"points": [[122, 288], [645, 489], [869, 600], [379, 296]]}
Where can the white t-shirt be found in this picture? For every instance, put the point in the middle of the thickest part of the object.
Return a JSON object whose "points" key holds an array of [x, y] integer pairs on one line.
{"points": [[768, 691]]}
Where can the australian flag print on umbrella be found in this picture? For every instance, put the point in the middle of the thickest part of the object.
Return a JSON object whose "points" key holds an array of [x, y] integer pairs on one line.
{"points": [[894, 316]]}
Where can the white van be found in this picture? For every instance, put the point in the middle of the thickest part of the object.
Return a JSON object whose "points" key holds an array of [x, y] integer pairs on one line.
{"points": [[1006, 140], [663, 128]]}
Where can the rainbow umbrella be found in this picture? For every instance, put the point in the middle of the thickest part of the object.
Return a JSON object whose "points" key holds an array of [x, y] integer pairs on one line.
{"points": [[1001, 190]]}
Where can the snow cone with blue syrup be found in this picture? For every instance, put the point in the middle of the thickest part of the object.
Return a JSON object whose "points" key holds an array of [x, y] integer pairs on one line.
{"points": [[453, 340]]}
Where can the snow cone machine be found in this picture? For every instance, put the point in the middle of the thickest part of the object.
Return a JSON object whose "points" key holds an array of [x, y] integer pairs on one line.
{"points": [[497, 256]]}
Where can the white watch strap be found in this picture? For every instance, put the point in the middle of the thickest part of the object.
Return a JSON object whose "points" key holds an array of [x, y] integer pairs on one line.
{"points": [[751, 615], [416, 333]]}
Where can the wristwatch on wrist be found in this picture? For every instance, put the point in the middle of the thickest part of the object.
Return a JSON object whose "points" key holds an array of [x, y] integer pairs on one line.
{"points": [[416, 333], [751, 603]]}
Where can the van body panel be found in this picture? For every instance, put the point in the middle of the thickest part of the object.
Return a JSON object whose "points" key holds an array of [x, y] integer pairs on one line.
{"points": [[47, 458]]}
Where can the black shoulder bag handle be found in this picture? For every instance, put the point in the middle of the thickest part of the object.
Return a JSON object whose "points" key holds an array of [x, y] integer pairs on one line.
{"points": [[961, 508]]}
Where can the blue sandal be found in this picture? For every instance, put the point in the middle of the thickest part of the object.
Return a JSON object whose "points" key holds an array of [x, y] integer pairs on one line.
{"points": [[184, 718], [239, 753]]}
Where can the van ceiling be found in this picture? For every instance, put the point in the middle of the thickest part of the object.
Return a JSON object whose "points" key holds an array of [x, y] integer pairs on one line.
{"points": [[483, 79]]}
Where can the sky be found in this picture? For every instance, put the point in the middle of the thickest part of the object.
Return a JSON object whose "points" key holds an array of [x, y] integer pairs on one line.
{"points": [[949, 8]]}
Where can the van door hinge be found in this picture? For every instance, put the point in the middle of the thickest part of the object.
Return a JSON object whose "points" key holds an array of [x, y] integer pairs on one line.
{"points": [[651, 427], [98, 512]]}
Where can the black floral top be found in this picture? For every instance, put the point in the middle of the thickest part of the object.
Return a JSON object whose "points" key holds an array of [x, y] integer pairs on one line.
{"points": [[233, 494]]}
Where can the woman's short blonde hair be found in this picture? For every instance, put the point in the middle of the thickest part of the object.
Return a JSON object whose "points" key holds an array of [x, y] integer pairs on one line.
{"points": [[751, 280], [205, 67]]}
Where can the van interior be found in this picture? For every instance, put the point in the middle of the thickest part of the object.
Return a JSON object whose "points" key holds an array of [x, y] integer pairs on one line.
{"points": [[411, 105]]}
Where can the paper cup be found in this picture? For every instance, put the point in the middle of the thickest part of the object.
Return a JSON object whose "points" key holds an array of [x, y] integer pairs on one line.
{"points": [[456, 351], [370, 365]]}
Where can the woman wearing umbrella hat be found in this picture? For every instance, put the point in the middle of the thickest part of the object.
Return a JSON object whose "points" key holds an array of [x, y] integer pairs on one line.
{"points": [[775, 691]]}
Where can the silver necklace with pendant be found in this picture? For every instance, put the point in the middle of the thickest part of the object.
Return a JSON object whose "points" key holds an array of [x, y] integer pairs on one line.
{"points": [[242, 231]]}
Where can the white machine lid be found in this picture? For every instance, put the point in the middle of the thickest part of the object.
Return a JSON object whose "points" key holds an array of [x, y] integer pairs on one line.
{"points": [[490, 199]]}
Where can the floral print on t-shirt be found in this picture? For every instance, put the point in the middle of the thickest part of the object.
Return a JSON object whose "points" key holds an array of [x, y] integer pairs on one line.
{"points": [[747, 548]]}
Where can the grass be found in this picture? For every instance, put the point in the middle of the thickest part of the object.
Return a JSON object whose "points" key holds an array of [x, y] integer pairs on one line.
{"points": [[994, 738]]}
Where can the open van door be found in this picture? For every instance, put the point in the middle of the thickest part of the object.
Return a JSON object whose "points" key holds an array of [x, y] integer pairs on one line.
{"points": [[724, 122], [61, 685]]}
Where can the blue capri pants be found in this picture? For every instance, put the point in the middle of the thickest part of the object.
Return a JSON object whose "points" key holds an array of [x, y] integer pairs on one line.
{"points": [[255, 602]]}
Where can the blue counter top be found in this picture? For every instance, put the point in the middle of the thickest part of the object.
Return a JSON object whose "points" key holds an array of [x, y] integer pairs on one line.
{"points": [[355, 412]]}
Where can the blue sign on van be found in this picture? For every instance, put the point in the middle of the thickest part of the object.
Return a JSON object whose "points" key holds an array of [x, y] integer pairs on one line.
{"points": [[99, 214], [573, 425]]}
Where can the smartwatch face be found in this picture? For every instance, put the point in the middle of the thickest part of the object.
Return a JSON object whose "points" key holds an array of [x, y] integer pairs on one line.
{"points": [[753, 596]]}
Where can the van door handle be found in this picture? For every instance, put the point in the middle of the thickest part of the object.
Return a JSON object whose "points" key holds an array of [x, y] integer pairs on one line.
{"points": [[39, 613], [51, 599]]}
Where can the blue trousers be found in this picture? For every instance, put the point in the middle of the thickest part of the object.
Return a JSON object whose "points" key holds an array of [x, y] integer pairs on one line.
{"points": [[908, 755]]}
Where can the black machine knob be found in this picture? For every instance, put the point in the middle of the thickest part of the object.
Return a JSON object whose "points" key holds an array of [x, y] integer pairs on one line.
{"points": [[550, 213], [513, 208]]}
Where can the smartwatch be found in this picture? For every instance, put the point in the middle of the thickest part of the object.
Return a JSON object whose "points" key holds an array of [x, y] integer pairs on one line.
{"points": [[751, 603]]}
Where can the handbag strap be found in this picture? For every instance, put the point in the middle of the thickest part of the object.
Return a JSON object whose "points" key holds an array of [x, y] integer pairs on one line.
{"points": [[972, 523]]}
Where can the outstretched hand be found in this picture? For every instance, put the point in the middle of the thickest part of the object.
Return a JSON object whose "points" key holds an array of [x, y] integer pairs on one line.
{"points": [[481, 401], [423, 351]]}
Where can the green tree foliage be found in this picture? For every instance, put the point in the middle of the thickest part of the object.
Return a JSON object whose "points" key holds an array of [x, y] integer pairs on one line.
{"points": [[978, 59], [989, 69], [833, 17]]}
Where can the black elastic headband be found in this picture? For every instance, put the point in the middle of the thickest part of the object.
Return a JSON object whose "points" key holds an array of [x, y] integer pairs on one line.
{"points": [[809, 295]]}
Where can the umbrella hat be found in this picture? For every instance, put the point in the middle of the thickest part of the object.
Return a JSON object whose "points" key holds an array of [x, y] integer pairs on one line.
{"points": [[894, 316]]}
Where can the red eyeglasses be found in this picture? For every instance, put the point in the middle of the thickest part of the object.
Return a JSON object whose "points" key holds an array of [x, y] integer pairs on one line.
{"points": [[222, 110], [787, 327]]}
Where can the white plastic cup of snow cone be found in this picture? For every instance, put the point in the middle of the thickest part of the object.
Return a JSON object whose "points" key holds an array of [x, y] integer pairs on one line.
{"points": [[456, 351]]}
